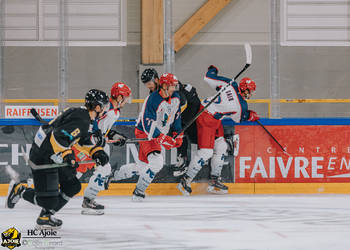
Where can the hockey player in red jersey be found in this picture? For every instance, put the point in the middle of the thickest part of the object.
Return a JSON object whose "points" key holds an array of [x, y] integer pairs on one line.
{"points": [[211, 143]]}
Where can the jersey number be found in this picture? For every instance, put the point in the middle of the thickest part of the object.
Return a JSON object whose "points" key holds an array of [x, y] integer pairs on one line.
{"points": [[75, 132]]}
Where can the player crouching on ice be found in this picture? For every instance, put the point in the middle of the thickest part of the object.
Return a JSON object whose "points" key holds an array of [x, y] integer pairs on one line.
{"points": [[211, 143], [160, 113], [120, 95]]}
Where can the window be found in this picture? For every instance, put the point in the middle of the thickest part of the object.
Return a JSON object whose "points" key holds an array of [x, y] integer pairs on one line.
{"points": [[88, 22], [315, 23]]}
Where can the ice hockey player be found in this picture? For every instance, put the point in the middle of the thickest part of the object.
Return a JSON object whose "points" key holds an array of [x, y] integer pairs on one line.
{"points": [[190, 104], [211, 143], [150, 79], [160, 113], [52, 144], [120, 94]]}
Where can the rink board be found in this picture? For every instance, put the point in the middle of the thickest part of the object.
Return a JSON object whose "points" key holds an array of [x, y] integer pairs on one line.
{"points": [[126, 189], [318, 160]]}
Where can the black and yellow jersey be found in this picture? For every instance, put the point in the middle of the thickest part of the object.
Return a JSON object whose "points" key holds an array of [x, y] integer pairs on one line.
{"points": [[72, 127], [190, 102]]}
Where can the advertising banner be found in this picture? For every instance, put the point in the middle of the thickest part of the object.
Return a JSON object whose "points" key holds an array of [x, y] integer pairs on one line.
{"points": [[316, 154], [15, 141], [16, 111]]}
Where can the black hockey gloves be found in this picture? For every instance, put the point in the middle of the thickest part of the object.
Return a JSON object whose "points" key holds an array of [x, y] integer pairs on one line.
{"points": [[117, 138], [70, 160]]}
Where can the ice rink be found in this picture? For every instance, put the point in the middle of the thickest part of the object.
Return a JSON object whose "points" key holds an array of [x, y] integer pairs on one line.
{"points": [[237, 222]]}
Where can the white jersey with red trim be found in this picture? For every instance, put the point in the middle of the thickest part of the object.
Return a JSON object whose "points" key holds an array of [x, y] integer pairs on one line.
{"points": [[108, 119], [228, 104]]}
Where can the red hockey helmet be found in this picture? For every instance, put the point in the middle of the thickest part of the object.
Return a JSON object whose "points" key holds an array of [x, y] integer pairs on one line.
{"points": [[247, 83], [168, 79], [120, 88]]}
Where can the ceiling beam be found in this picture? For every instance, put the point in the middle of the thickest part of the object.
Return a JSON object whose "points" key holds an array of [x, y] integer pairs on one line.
{"points": [[197, 21]]}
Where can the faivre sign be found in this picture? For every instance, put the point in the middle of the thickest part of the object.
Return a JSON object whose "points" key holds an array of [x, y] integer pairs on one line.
{"points": [[317, 154]]}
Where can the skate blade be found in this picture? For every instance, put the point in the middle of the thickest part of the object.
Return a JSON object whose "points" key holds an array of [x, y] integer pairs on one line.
{"points": [[41, 227], [214, 190], [182, 190], [137, 199], [89, 211], [179, 173]]}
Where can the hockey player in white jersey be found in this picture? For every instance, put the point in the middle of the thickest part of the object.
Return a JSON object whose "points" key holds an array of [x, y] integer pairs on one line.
{"points": [[120, 94], [211, 143], [160, 113]]}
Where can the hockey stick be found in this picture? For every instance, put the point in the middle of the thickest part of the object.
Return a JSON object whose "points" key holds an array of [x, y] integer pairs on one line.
{"points": [[268, 132], [248, 52], [55, 165], [46, 166]]}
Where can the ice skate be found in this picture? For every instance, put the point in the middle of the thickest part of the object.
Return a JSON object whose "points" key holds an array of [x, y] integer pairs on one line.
{"points": [[215, 186], [14, 194], [185, 185], [47, 221], [138, 196], [91, 207]]}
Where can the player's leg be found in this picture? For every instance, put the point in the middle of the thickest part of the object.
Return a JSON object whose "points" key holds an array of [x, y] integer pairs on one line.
{"points": [[95, 185], [147, 174], [217, 162], [182, 158], [181, 161], [126, 171], [45, 195], [206, 127], [69, 186], [152, 162]]}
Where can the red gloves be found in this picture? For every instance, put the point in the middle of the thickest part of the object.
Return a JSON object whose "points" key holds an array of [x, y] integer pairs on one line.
{"points": [[253, 116], [167, 141], [178, 139]]}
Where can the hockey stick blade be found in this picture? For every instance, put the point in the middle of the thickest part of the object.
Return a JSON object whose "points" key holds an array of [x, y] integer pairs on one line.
{"points": [[248, 54], [37, 116]]}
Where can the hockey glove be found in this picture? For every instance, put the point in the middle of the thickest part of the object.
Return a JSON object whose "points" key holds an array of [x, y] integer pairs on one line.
{"points": [[70, 160], [178, 139], [118, 137], [213, 67], [253, 116], [100, 157], [98, 139], [165, 140]]}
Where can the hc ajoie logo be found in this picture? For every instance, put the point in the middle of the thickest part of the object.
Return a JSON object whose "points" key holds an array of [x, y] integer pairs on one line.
{"points": [[11, 238], [42, 233]]}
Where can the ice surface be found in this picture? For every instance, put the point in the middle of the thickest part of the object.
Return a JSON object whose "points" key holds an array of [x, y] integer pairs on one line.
{"points": [[237, 222]]}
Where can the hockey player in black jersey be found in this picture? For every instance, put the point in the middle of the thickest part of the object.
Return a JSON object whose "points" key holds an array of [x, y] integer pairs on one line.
{"points": [[52, 144]]}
